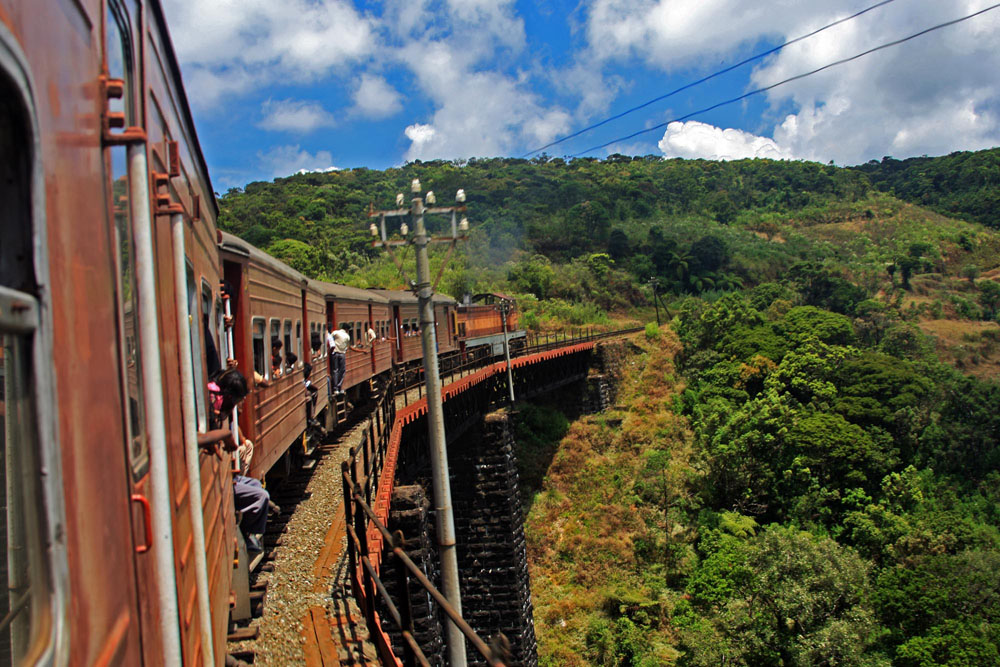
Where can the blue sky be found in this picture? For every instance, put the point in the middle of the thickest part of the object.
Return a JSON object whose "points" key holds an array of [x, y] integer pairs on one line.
{"points": [[277, 87]]}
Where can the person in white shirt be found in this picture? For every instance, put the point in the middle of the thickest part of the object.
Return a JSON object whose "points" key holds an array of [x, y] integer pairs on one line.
{"points": [[338, 341], [370, 336]]}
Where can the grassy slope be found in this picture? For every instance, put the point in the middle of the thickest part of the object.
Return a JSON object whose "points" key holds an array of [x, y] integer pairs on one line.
{"points": [[589, 520]]}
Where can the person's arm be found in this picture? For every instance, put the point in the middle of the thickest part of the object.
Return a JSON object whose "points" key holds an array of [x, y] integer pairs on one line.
{"points": [[209, 440]]}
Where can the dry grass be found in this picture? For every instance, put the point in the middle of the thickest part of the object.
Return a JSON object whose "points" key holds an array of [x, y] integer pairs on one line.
{"points": [[972, 347], [583, 527]]}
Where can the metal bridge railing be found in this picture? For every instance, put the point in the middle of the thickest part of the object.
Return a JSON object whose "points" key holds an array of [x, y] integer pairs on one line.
{"points": [[452, 365], [366, 534]]}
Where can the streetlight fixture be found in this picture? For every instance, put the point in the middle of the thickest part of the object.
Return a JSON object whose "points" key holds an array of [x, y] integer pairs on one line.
{"points": [[445, 520]]}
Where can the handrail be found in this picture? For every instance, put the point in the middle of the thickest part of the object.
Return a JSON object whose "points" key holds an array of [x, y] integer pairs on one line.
{"points": [[361, 486], [416, 572], [469, 366]]}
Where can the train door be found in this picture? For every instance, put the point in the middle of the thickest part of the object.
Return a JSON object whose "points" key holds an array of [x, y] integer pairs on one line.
{"points": [[331, 317], [371, 343], [121, 28], [397, 331]]}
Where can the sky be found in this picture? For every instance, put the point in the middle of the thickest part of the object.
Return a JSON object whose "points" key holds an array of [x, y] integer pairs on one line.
{"points": [[279, 87]]}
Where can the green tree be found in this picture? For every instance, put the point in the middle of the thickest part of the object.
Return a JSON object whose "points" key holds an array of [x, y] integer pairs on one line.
{"points": [[989, 297]]}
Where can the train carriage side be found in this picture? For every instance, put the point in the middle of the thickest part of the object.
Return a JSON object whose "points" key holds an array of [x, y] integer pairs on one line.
{"points": [[102, 183], [63, 404], [185, 212], [480, 325], [274, 414], [445, 322], [356, 311], [314, 328], [405, 318]]}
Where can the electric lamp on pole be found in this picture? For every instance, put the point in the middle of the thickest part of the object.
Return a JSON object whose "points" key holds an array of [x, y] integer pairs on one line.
{"points": [[445, 520]]}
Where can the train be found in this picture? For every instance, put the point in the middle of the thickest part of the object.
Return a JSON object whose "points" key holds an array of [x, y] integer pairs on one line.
{"points": [[119, 300]]}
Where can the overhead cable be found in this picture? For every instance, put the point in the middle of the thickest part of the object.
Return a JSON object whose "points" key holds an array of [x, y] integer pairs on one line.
{"points": [[757, 91], [707, 78]]}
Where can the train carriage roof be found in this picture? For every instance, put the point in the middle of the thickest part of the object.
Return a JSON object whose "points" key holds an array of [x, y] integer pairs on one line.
{"points": [[234, 244], [346, 292], [405, 296]]}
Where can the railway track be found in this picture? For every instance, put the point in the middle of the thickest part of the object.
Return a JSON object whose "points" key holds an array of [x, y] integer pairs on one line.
{"points": [[299, 613]]}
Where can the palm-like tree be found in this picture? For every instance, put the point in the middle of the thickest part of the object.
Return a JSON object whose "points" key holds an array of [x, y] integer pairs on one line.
{"points": [[701, 282], [680, 260]]}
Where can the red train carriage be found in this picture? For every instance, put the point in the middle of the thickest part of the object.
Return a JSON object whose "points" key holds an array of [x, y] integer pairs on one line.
{"points": [[121, 552], [480, 323], [314, 346], [407, 345], [357, 311], [270, 304]]}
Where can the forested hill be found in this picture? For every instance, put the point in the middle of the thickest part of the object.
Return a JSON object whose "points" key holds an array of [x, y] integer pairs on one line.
{"points": [[963, 185], [549, 206], [564, 210]]}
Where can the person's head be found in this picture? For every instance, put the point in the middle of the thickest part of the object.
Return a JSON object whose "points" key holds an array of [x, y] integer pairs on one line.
{"points": [[307, 370], [290, 359], [233, 388], [276, 345], [329, 326]]}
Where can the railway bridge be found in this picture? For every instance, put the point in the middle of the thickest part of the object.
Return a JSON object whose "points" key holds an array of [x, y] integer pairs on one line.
{"points": [[386, 484]]}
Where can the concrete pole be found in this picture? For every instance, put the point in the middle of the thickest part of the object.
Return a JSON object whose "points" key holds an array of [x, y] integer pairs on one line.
{"points": [[504, 309], [444, 517]]}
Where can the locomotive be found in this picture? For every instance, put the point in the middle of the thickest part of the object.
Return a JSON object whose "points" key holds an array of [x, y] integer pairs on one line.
{"points": [[117, 291]]}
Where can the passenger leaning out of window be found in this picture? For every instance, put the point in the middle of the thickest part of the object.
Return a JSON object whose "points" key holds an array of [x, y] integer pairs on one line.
{"points": [[252, 501]]}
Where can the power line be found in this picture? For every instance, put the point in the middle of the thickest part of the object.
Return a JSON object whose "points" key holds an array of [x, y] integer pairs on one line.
{"points": [[757, 91], [706, 78]]}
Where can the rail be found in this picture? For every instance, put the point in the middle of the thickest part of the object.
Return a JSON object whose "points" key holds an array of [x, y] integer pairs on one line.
{"points": [[366, 532]]}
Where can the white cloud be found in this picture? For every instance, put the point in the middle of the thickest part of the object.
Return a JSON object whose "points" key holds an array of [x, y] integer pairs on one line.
{"points": [[238, 44], [935, 94], [700, 140], [299, 116], [374, 98], [479, 112], [285, 160], [420, 135]]}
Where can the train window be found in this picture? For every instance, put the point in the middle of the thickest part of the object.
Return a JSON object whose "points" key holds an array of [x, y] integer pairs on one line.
{"points": [[128, 316], [30, 496], [288, 349], [298, 340], [21, 540], [260, 365], [275, 336], [196, 351], [213, 360], [119, 52]]}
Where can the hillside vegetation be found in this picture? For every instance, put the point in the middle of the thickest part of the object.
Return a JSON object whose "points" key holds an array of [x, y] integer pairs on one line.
{"points": [[802, 466], [778, 484]]}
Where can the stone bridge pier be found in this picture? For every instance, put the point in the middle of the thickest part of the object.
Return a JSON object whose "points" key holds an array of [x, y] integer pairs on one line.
{"points": [[492, 554]]}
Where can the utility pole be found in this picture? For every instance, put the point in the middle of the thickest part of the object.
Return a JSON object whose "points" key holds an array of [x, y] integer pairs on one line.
{"points": [[445, 520], [654, 282], [505, 308]]}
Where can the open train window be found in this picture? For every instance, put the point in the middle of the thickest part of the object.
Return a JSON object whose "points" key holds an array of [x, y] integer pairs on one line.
{"points": [[260, 364], [196, 352], [275, 364], [298, 341], [30, 484], [287, 349], [213, 360]]}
